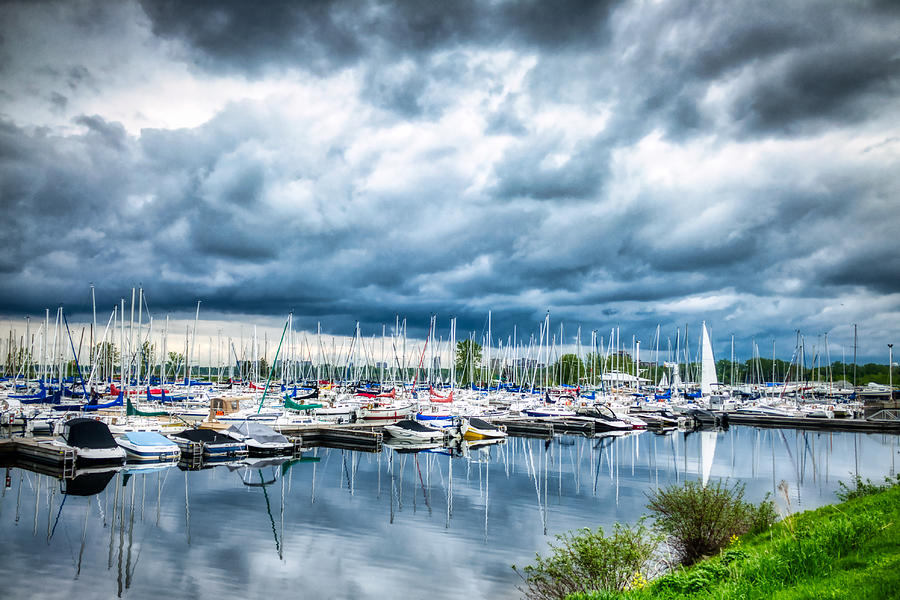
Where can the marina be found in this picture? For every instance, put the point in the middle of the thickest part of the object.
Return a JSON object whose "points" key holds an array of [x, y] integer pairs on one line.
{"points": [[342, 523]]}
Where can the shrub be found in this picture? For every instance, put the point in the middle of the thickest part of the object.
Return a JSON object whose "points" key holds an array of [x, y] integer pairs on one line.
{"points": [[587, 561], [699, 520], [864, 488]]}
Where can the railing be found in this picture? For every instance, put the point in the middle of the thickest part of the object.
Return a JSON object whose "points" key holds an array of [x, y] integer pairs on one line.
{"points": [[885, 415]]}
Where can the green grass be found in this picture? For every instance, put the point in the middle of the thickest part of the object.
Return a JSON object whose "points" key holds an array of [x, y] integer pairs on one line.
{"points": [[847, 550]]}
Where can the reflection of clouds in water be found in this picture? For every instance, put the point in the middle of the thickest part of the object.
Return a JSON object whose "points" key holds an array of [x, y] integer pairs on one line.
{"points": [[338, 537]]}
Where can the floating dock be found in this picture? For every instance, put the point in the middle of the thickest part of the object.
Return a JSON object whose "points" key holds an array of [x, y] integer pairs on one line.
{"points": [[38, 453], [361, 437], [857, 425]]}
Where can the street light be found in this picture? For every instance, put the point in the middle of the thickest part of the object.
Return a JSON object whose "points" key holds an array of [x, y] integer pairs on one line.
{"points": [[891, 370]]}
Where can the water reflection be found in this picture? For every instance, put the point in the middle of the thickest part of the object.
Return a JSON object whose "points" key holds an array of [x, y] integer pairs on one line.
{"points": [[341, 524]]}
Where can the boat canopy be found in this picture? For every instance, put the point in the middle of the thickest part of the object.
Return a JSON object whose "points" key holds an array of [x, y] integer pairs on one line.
{"points": [[148, 438], [414, 426], [89, 433], [482, 424], [288, 403], [259, 432], [204, 436], [116, 402], [132, 411]]}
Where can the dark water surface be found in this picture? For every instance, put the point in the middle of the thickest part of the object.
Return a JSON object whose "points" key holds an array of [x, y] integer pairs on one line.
{"points": [[343, 524]]}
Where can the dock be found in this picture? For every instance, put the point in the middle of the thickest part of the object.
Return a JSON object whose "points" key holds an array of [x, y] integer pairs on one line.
{"points": [[856, 425], [360, 437], [39, 454]]}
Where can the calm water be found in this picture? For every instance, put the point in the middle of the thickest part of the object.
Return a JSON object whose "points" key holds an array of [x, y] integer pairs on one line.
{"points": [[342, 524]]}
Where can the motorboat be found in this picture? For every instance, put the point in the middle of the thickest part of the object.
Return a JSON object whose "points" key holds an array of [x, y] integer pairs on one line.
{"points": [[410, 430], [604, 418], [261, 439], [92, 440], [213, 443], [148, 446], [474, 428], [550, 411]]}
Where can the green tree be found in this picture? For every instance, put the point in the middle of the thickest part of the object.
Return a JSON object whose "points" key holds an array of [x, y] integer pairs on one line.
{"points": [[106, 357], [175, 362], [147, 355], [16, 359], [468, 361], [568, 369]]}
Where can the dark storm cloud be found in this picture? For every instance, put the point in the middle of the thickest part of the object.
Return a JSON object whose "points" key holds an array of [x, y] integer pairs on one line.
{"points": [[320, 36], [571, 114]]}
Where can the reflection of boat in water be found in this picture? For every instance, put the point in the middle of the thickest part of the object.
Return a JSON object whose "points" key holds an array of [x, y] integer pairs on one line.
{"points": [[404, 446], [467, 448], [92, 440], [148, 446], [88, 482], [208, 463], [414, 431], [474, 428], [261, 471], [145, 468]]}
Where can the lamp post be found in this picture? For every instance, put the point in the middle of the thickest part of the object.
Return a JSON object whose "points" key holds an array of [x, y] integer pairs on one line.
{"points": [[891, 370]]}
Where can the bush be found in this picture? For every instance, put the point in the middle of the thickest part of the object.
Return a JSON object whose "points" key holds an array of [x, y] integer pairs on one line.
{"points": [[586, 560], [699, 520], [864, 488]]}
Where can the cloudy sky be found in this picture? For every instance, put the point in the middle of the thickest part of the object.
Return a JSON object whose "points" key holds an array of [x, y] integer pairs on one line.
{"points": [[627, 163]]}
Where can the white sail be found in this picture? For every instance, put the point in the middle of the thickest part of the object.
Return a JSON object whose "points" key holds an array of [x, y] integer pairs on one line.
{"points": [[664, 381], [708, 365]]}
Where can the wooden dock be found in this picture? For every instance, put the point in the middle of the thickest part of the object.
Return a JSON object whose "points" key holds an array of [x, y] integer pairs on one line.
{"points": [[50, 459], [857, 425], [361, 437]]}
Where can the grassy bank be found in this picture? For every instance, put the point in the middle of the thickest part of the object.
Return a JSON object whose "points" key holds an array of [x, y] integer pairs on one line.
{"points": [[847, 550]]}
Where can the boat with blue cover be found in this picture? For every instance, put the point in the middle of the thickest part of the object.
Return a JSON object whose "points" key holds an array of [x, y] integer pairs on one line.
{"points": [[148, 446]]}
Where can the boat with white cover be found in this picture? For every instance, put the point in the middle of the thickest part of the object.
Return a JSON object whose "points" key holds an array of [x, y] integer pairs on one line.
{"points": [[411, 430], [261, 439]]}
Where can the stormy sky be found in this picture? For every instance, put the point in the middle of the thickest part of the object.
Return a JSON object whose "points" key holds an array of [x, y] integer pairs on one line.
{"points": [[615, 163]]}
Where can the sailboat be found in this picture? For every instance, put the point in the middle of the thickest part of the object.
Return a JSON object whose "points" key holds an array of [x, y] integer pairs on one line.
{"points": [[710, 388]]}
